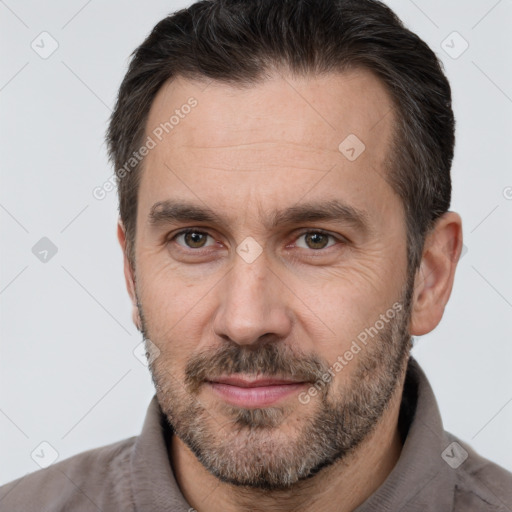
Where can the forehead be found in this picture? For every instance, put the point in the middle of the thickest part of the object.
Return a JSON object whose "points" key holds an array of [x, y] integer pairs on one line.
{"points": [[270, 141], [321, 110]]}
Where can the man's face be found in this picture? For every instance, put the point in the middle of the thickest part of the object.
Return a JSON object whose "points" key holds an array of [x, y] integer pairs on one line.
{"points": [[252, 307]]}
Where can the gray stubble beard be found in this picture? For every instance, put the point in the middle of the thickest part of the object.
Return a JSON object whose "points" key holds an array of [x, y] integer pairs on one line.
{"points": [[248, 447]]}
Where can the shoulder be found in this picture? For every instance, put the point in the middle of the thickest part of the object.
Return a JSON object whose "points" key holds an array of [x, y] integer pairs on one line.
{"points": [[93, 480], [480, 484]]}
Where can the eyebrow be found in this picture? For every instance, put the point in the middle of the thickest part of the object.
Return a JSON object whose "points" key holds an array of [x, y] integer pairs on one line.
{"points": [[174, 211]]}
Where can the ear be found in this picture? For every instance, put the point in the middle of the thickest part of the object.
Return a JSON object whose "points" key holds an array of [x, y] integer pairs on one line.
{"points": [[129, 275], [434, 278]]}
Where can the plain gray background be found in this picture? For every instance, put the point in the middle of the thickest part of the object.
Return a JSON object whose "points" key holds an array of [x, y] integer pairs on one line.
{"points": [[68, 374]]}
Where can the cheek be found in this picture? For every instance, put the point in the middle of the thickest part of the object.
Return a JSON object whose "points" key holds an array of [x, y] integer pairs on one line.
{"points": [[174, 308], [337, 305]]}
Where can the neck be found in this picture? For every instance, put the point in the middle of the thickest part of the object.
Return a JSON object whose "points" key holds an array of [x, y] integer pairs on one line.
{"points": [[340, 487]]}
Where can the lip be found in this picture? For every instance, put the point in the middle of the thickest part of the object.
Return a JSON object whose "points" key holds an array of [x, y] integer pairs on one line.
{"points": [[254, 392]]}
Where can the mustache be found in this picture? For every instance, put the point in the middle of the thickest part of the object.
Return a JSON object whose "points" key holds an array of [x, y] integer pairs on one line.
{"points": [[269, 359]]}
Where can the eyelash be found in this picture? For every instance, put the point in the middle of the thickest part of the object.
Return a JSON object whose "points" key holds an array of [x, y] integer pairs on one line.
{"points": [[338, 239]]}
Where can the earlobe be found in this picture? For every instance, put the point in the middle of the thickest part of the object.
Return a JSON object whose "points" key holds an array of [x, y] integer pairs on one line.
{"points": [[129, 275], [435, 276], [136, 318]]}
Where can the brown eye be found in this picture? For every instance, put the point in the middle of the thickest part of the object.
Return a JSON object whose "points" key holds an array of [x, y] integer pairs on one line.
{"points": [[192, 239], [315, 240]]}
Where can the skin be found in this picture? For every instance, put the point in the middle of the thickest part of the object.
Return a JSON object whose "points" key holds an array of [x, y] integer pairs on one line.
{"points": [[245, 152]]}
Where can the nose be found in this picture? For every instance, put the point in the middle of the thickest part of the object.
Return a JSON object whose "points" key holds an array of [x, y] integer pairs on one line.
{"points": [[252, 304]]}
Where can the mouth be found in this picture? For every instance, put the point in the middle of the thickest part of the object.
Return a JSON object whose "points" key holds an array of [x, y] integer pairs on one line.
{"points": [[254, 392]]}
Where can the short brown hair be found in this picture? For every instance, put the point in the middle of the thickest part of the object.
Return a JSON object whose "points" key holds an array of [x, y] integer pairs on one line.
{"points": [[239, 41]]}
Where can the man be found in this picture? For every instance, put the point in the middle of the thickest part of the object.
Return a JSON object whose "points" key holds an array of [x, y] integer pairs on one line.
{"points": [[284, 183]]}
